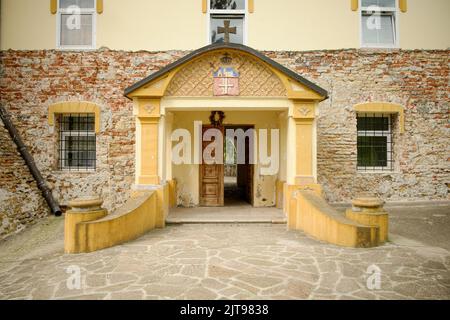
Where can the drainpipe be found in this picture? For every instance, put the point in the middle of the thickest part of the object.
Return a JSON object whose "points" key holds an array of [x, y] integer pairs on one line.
{"points": [[42, 185]]}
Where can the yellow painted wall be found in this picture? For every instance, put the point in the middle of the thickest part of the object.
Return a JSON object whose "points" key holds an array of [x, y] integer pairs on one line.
{"points": [[425, 25], [152, 25], [303, 25], [27, 24], [187, 176], [180, 24]]}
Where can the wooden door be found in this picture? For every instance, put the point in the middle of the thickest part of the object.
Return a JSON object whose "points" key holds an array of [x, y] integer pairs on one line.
{"points": [[250, 170], [211, 178]]}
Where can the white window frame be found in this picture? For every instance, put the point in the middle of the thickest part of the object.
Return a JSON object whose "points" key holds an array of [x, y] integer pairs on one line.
{"points": [[394, 12], [388, 134], [212, 12], [91, 11]]}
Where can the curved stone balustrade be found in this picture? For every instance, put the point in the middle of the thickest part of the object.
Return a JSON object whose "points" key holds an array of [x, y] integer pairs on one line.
{"points": [[88, 227]]}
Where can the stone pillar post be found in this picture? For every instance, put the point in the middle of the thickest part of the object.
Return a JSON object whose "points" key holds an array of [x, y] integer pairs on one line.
{"points": [[304, 115], [82, 210], [148, 160], [369, 210], [301, 153], [147, 142]]}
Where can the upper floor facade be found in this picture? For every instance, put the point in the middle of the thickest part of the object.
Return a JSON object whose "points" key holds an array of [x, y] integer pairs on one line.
{"points": [[158, 25]]}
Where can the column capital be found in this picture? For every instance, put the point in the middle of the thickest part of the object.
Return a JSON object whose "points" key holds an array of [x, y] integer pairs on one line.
{"points": [[304, 110], [147, 107]]}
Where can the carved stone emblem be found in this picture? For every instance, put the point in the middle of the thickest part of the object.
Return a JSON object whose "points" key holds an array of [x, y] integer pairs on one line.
{"points": [[304, 111], [149, 108], [226, 82]]}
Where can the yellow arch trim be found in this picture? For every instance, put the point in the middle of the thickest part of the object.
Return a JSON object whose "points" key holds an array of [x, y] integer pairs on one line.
{"points": [[74, 107], [383, 107]]}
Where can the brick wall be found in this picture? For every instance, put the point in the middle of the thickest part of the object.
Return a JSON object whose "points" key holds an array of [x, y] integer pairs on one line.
{"points": [[32, 80]]}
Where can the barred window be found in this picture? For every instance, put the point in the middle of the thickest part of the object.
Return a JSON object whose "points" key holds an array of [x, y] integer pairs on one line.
{"points": [[375, 142], [77, 142]]}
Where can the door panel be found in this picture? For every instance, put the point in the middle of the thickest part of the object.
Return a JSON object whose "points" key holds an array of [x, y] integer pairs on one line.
{"points": [[211, 179], [249, 184], [249, 169]]}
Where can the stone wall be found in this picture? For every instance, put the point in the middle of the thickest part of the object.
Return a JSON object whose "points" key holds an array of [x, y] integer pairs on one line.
{"points": [[21, 202], [418, 80], [33, 80], [30, 81]]}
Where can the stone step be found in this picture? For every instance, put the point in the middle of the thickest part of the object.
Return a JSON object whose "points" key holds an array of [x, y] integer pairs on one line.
{"points": [[223, 221]]}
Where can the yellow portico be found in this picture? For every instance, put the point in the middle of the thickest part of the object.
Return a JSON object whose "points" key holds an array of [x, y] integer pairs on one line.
{"points": [[260, 93]]}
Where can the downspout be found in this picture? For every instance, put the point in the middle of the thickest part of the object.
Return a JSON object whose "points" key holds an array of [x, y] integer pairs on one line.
{"points": [[42, 185]]}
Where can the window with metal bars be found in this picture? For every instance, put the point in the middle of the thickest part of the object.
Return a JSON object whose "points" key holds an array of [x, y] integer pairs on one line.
{"points": [[375, 152], [77, 142]]}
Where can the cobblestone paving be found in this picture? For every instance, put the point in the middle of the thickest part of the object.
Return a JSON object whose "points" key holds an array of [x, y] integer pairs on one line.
{"points": [[250, 261]]}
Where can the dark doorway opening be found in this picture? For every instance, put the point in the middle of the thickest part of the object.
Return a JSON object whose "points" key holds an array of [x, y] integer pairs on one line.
{"points": [[238, 177]]}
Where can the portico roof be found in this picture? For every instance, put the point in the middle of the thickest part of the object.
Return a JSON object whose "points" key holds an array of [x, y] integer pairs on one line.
{"points": [[239, 47]]}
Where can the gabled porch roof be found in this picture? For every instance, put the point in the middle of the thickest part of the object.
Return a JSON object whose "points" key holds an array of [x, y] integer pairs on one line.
{"points": [[239, 47]]}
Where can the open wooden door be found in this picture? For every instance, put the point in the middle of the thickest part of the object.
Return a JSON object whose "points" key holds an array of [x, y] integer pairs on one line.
{"points": [[245, 174], [249, 184], [250, 171], [211, 178]]}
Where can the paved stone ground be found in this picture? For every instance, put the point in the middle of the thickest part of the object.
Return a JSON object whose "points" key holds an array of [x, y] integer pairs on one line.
{"points": [[244, 261]]}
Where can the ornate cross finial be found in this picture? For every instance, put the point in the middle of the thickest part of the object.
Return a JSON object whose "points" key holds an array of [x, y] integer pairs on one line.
{"points": [[226, 30]]}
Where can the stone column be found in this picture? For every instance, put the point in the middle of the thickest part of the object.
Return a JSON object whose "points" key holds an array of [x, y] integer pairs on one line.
{"points": [[168, 148], [147, 112], [82, 210], [304, 116], [301, 154]]}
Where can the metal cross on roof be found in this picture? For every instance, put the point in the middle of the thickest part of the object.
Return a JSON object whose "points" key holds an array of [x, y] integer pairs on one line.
{"points": [[226, 30]]}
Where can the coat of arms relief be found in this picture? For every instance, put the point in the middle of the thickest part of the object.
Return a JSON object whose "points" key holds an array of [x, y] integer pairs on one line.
{"points": [[226, 82]]}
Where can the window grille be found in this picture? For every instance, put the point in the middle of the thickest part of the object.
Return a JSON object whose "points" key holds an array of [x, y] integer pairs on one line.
{"points": [[375, 146], [77, 142]]}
